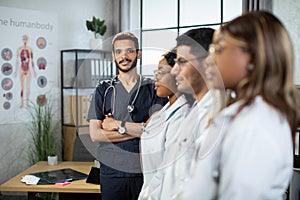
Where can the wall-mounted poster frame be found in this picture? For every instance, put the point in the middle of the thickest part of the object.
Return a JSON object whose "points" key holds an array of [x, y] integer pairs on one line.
{"points": [[28, 61]]}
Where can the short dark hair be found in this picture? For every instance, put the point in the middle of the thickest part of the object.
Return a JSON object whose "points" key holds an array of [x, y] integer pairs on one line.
{"points": [[198, 39], [126, 36]]}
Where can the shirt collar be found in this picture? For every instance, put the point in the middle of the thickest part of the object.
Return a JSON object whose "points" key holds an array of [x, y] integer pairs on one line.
{"points": [[178, 103], [231, 110], [206, 100]]}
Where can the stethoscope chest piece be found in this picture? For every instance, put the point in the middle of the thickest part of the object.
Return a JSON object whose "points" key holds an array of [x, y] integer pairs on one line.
{"points": [[130, 108]]}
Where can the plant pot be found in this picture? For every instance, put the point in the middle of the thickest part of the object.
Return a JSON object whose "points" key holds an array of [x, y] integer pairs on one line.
{"points": [[52, 160], [96, 43]]}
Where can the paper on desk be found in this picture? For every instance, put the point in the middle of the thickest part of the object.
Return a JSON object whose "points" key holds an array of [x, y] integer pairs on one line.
{"points": [[30, 179]]}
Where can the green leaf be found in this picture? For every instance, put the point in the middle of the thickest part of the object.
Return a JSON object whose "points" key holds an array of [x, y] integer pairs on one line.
{"points": [[97, 26], [43, 131]]}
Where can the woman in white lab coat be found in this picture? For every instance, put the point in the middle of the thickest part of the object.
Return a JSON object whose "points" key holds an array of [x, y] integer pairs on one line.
{"points": [[159, 133], [248, 151]]}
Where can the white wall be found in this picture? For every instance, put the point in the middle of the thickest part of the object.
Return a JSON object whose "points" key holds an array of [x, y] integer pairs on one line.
{"points": [[289, 13], [71, 15], [72, 33]]}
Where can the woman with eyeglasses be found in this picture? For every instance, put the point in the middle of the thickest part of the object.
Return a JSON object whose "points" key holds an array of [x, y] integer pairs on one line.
{"points": [[248, 151], [160, 132]]}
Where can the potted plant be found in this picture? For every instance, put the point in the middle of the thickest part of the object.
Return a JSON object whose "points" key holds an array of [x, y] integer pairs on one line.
{"points": [[98, 27], [43, 131], [44, 137]]}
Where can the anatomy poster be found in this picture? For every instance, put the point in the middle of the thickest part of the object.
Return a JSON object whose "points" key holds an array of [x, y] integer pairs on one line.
{"points": [[28, 61]]}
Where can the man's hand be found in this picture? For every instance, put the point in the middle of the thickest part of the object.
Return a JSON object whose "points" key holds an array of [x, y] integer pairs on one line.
{"points": [[110, 124]]}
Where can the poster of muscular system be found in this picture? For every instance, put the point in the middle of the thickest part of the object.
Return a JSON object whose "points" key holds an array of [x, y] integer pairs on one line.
{"points": [[28, 62]]}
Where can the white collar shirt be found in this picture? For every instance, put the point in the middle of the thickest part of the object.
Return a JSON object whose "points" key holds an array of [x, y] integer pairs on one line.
{"points": [[245, 156], [167, 183], [158, 134]]}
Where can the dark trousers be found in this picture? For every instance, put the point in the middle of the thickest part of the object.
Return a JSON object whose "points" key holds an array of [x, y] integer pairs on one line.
{"points": [[124, 188]]}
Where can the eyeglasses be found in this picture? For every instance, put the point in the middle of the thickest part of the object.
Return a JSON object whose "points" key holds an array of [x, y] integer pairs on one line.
{"points": [[218, 49], [181, 62], [213, 48], [160, 73], [127, 51]]}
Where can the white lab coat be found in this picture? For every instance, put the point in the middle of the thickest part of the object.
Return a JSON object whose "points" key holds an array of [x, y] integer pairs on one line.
{"points": [[248, 156], [167, 183], [159, 133]]}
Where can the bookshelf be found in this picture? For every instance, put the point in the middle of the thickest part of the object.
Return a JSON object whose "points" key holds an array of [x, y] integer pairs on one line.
{"points": [[81, 69]]}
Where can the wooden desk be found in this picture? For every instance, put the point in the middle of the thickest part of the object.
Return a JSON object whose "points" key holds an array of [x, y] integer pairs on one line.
{"points": [[79, 186]]}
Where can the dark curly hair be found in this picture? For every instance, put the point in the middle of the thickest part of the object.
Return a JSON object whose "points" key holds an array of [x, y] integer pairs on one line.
{"points": [[170, 57]]}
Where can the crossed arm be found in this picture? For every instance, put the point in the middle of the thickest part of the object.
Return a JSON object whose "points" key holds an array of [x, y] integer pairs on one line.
{"points": [[107, 130]]}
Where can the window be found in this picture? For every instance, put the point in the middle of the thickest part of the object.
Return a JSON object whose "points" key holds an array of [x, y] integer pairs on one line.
{"points": [[163, 21]]}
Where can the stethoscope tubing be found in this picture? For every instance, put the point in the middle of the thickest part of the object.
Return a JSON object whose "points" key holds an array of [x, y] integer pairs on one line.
{"points": [[130, 107]]}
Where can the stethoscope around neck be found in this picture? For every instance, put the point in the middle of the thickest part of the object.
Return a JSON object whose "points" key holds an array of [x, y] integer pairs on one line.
{"points": [[130, 107]]}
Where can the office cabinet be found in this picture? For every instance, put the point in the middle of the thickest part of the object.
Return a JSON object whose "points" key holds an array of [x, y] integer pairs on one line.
{"points": [[81, 69]]}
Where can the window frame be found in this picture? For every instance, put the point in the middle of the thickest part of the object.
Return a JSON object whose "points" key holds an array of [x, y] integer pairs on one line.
{"points": [[178, 27]]}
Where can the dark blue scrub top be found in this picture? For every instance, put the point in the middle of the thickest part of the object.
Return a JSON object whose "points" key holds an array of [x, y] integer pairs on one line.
{"points": [[122, 159]]}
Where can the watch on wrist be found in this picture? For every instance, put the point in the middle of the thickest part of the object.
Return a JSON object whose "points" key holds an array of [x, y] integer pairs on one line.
{"points": [[121, 128], [143, 126]]}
